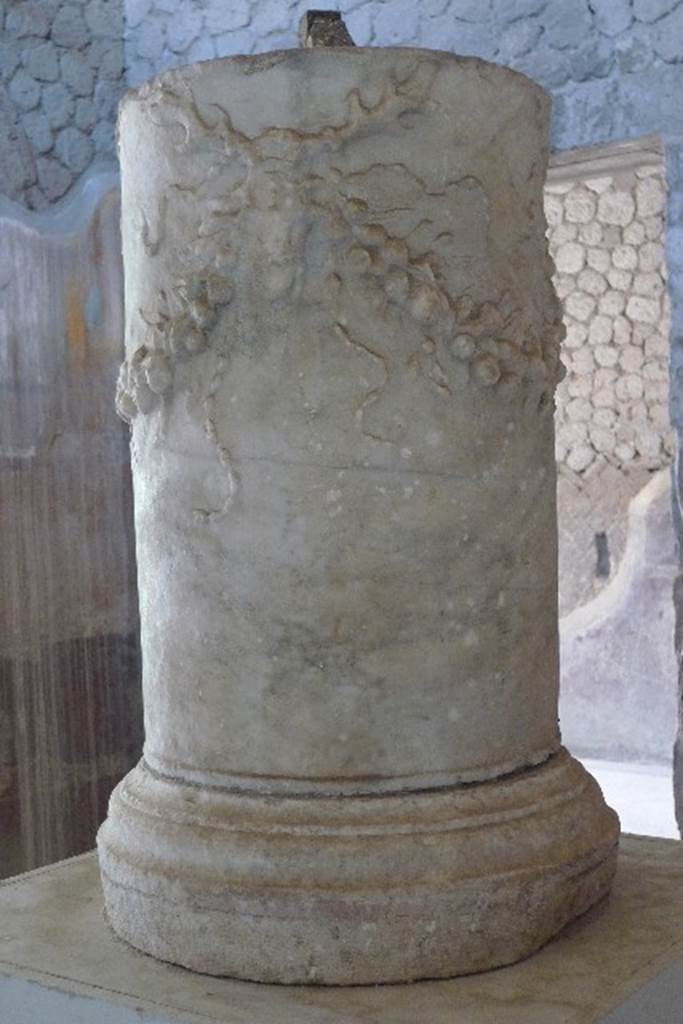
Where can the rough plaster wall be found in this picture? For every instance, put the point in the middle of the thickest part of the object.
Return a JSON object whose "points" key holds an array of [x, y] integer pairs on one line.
{"points": [[61, 75], [618, 669], [591, 505]]}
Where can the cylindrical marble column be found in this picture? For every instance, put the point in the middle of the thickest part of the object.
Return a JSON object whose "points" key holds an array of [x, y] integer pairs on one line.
{"points": [[342, 347]]}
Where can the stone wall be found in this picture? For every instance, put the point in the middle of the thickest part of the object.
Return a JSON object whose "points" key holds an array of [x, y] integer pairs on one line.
{"points": [[557, 42], [607, 240], [605, 209], [61, 75]]}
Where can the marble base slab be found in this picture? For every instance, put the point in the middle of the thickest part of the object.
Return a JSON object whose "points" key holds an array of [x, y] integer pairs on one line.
{"points": [[622, 963]]}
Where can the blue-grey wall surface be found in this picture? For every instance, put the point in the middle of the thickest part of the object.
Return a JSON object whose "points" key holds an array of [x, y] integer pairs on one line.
{"points": [[61, 75]]}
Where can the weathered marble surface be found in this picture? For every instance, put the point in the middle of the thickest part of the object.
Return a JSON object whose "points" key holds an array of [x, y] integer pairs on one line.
{"points": [[56, 947], [341, 357]]}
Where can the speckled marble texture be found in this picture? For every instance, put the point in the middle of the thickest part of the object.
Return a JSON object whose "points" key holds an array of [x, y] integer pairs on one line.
{"points": [[54, 942], [341, 355]]}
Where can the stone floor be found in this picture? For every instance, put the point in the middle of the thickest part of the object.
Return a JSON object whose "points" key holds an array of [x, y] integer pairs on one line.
{"points": [[621, 964]]}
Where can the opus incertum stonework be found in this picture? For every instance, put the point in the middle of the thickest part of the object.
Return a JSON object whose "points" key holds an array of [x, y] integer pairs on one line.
{"points": [[605, 210], [606, 236], [342, 349]]}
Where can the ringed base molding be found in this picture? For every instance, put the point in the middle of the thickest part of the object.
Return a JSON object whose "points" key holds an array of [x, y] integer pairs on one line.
{"points": [[362, 890]]}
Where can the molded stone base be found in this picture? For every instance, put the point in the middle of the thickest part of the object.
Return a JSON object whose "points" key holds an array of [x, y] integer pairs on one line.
{"points": [[355, 890]]}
